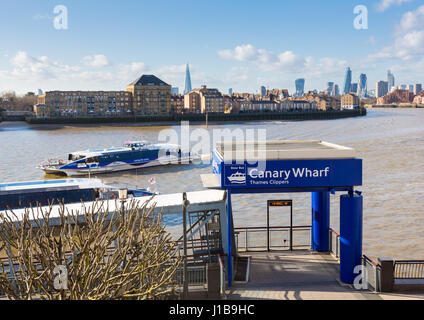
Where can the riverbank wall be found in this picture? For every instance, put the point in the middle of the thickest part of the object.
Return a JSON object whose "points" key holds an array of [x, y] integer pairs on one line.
{"points": [[404, 106], [175, 119]]}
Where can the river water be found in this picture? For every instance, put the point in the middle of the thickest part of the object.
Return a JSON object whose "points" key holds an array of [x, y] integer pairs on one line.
{"points": [[391, 142]]}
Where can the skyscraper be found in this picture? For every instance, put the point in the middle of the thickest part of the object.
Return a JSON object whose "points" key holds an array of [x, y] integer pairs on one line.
{"points": [[330, 86], [300, 87], [187, 81], [362, 88], [390, 80], [382, 88], [175, 91], [418, 88], [347, 81], [336, 90], [262, 91], [354, 88]]}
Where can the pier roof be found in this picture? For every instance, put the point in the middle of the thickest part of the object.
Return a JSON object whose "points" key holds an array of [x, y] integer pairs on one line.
{"points": [[283, 150]]}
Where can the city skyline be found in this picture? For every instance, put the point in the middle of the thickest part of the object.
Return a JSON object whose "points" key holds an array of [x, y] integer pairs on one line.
{"points": [[81, 58]]}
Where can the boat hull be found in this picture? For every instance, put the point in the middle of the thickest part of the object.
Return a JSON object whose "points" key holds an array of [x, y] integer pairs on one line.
{"points": [[116, 167]]}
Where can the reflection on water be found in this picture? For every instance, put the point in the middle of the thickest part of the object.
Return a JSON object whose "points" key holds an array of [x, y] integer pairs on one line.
{"points": [[390, 141]]}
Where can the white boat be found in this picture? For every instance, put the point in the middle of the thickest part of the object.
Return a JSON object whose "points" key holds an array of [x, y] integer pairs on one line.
{"points": [[132, 156]]}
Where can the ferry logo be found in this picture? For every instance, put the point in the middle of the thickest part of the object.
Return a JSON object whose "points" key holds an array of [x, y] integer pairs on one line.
{"points": [[235, 175], [238, 178]]}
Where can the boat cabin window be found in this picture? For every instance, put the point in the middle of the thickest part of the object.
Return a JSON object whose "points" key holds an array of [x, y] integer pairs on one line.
{"points": [[93, 160], [73, 157], [134, 145]]}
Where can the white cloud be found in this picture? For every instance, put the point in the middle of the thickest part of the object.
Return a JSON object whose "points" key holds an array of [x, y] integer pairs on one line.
{"points": [[264, 59], [408, 38], [383, 5], [285, 62], [25, 66], [129, 72], [97, 61]]}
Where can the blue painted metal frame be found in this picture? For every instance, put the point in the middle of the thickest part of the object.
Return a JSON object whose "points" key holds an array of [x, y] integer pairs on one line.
{"points": [[319, 176]]}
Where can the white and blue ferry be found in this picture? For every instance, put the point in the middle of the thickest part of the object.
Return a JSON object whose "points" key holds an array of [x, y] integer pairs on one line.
{"points": [[18, 195], [133, 155]]}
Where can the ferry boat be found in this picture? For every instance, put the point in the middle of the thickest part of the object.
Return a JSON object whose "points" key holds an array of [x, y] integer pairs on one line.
{"points": [[133, 155], [18, 195]]}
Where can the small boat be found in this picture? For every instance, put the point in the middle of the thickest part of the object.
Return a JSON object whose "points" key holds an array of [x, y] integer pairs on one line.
{"points": [[18, 195], [238, 178], [132, 156]]}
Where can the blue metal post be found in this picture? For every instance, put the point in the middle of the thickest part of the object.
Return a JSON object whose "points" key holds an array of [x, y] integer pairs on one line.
{"points": [[351, 212], [321, 221], [229, 239]]}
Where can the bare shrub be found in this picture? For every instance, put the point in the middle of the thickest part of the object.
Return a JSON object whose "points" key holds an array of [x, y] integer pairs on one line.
{"points": [[106, 255]]}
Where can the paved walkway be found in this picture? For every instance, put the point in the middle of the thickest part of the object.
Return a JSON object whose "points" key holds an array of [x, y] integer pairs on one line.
{"points": [[301, 275]]}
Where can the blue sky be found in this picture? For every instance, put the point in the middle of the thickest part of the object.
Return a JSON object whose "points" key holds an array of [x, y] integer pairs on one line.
{"points": [[237, 44]]}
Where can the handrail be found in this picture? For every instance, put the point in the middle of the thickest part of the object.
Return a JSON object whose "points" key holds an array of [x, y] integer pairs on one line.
{"points": [[333, 231], [222, 274], [409, 269], [274, 227], [371, 261]]}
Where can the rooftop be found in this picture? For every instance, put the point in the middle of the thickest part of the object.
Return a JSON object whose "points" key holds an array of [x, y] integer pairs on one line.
{"points": [[148, 80], [284, 150]]}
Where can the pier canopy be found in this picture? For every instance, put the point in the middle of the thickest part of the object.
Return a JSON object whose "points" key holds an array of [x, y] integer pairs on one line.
{"points": [[309, 166], [295, 166]]}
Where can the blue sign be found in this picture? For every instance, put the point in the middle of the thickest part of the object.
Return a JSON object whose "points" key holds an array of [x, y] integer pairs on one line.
{"points": [[291, 174]]}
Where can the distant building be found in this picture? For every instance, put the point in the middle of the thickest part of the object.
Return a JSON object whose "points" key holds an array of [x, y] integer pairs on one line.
{"points": [[175, 91], [411, 88], [390, 80], [419, 98], [396, 97], [204, 100], [177, 104], [418, 88], [39, 92], [262, 91], [347, 81], [363, 85], [187, 80], [151, 96], [300, 87], [148, 95], [230, 91], [324, 102], [354, 88], [350, 101], [336, 91], [276, 106], [382, 88], [83, 103], [330, 87]]}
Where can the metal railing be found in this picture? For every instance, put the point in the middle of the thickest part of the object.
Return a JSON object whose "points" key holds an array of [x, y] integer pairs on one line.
{"points": [[409, 269], [335, 243], [371, 273], [222, 278], [256, 238], [196, 275]]}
